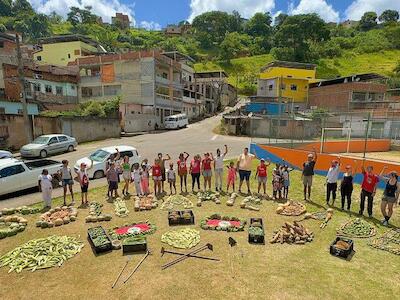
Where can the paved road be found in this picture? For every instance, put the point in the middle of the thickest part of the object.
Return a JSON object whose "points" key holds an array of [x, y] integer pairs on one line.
{"points": [[197, 138]]}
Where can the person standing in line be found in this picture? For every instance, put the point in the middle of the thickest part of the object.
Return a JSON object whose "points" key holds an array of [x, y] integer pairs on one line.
{"points": [[276, 183], [136, 178], [390, 196], [67, 181], [368, 189], [112, 159], [346, 186], [231, 176], [332, 178], [112, 178], [45, 187], [206, 169], [182, 170], [126, 174], [157, 177], [261, 175], [286, 180], [144, 178], [171, 176], [219, 168], [243, 166], [162, 161], [83, 179], [195, 170], [308, 173]]}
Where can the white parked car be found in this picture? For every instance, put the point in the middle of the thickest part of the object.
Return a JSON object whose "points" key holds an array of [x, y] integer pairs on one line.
{"points": [[17, 175], [44, 145], [100, 157], [5, 154], [176, 121]]}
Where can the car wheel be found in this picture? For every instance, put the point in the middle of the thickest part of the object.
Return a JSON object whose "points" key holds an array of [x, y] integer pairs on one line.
{"points": [[70, 148], [43, 154], [98, 174]]}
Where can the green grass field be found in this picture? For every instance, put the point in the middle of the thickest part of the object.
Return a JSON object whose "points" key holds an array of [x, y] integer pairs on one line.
{"points": [[272, 271]]}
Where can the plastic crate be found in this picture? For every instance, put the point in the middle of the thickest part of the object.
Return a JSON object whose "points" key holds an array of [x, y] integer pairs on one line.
{"points": [[134, 244], [180, 220], [258, 238], [93, 233], [344, 253]]}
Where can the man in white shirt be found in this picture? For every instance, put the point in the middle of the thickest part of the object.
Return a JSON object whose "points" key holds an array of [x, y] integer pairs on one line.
{"points": [[331, 180], [219, 168], [46, 187]]}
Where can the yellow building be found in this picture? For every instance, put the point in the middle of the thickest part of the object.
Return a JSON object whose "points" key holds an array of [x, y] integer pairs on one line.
{"points": [[286, 81], [62, 49]]}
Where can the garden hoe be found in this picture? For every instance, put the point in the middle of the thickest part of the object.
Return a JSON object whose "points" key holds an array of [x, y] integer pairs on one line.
{"points": [[122, 271], [181, 254], [232, 243], [137, 266], [187, 255]]}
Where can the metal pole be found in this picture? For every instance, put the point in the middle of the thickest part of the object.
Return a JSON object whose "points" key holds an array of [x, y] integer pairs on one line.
{"points": [[21, 78], [348, 140], [322, 140], [366, 135]]}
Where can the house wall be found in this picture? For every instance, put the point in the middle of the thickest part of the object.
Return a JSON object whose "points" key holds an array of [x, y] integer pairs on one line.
{"points": [[12, 108], [266, 108], [285, 72]]}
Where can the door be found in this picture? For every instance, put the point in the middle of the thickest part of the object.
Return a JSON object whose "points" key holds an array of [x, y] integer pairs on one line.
{"points": [[53, 145], [13, 179], [64, 143], [66, 128]]}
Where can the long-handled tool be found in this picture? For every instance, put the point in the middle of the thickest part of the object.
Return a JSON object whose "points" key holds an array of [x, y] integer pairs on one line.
{"points": [[122, 271], [137, 266], [232, 243], [187, 255], [181, 254]]}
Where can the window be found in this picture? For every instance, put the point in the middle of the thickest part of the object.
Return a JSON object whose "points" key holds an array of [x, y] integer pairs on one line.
{"points": [[270, 87], [126, 153], [283, 86], [48, 88], [69, 55], [2, 110], [1, 44], [20, 112], [62, 138], [289, 76], [72, 87], [38, 58], [59, 90], [77, 52], [53, 140], [2, 92], [293, 87], [283, 123], [10, 171], [37, 87], [359, 96], [164, 75]]}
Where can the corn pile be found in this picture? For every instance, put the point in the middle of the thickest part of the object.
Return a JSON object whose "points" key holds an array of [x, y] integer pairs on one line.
{"points": [[389, 241], [176, 200], [183, 239]]}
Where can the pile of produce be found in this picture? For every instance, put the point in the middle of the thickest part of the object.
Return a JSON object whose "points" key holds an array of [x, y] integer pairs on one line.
{"points": [[11, 225], [121, 210], [292, 233], [24, 210], [291, 208], [389, 241], [342, 245], [356, 228], [249, 203], [232, 199], [41, 253], [57, 216], [181, 217], [255, 230], [208, 196], [145, 203], [95, 213], [142, 228], [183, 238], [222, 223], [176, 200], [324, 216], [99, 237]]}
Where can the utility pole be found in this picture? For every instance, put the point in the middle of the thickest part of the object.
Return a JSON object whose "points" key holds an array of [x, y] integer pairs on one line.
{"points": [[366, 137], [21, 80]]}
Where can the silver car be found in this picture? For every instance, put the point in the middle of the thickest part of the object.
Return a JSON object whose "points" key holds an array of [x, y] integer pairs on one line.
{"points": [[45, 145]]}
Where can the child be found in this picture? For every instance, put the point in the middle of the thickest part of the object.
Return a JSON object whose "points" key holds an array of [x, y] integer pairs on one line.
{"points": [[261, 174], [286, 180], [231, 176], [157, 177], [46, 187], [112, 178], [67, 181], [83, 179], [126, 174], [171, 178], [144, 178], [276, 183], [136, 178]]}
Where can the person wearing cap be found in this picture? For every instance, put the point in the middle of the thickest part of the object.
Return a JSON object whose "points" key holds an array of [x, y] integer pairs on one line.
{"points": [[390, 196], [261, 175], [308, 173], [368, 189], [83, 179], [243, 166], [346, 186], [332, 178]]}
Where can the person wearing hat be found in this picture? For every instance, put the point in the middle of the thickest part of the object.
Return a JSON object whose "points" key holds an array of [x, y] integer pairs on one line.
{"points": [[390, 196], [261, 175], [83, 179], [332, 178], [308, 173]]}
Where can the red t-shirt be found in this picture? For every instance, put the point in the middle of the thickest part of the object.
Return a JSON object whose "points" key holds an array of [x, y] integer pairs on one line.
{"points": [[206, 164], [262, 171], [182, 166], [156, 170], [369, 182], [195, 164]]}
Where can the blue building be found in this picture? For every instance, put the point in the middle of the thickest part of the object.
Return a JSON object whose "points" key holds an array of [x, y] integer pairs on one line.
{"points": [[266, 108], [15, 108]]}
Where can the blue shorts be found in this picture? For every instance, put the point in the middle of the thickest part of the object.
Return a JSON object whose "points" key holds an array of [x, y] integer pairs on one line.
{"points": [[244, 175], [207, 173], [286, 183], [67, 182]]}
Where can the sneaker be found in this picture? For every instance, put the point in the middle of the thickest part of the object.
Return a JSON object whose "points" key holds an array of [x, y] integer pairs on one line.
{"points": [[385, 223], [370, 216]]}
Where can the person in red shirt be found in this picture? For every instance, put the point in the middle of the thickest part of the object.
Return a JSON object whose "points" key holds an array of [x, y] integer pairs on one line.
{"points": [[206, 169], [182, 170], [157, 176], [368, 189], [195, 170], [261, 174]]}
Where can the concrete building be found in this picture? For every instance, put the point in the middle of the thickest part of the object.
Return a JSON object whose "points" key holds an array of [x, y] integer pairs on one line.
{"points": [[121, 21], [62, 49], [177, 30], [349, 24]]}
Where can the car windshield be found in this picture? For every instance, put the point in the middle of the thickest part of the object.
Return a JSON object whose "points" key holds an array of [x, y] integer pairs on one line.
{"points": [[99, 155], [40, 140]]}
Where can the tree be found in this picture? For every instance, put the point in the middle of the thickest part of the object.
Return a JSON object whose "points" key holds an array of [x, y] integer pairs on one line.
{"points": [[5, 8], [38, 26], [368, 21], [259, 25], [3, 28], [55, 18], [396, 69], [389, 16], [22, 6], [233, 45], [280, 19], [81, 16]]}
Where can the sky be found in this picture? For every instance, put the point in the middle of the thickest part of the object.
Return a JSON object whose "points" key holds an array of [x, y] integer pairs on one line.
{"points": [[156, 14]]}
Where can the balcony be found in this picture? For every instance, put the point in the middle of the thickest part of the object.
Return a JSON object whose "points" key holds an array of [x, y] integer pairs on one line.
{"points": [[90, 80]]}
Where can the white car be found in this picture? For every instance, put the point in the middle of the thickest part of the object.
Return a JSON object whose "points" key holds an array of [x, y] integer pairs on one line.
{"points": [[176, 121], [17, 175], [5, 154], [100, 157]]}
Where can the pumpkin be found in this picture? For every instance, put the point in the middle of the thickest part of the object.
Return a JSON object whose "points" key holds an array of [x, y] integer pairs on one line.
{"points": [[58, 222]]}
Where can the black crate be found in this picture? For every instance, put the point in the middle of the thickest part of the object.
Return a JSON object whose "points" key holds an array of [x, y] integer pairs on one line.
{"points": [[258, 238], [92, 235], [136, 245], [180, 220], [341, 252]]}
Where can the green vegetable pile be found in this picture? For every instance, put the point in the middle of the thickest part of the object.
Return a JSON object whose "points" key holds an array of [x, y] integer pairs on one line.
{"points": [[41, 253], [356, 228], [24, 210], [256, 230], [95, 213], [176, 200], [134, 240], [11, 225], [389, 241], [120, 208], [98, 237], [208, 196], [183, 238]]}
